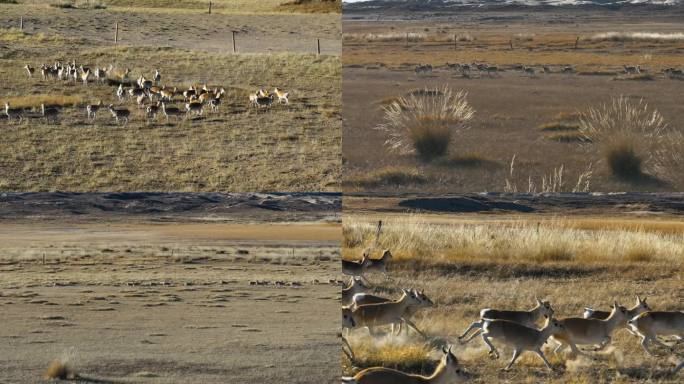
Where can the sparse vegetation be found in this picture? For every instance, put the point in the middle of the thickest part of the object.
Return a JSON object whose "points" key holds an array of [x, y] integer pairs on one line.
{"points": [[426, 122], [389, 176], [312, 6]]}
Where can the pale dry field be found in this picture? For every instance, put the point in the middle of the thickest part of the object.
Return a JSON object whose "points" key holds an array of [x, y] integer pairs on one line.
{"points": [[233, 149], [470, 261], [531, 117], [144, 301]]}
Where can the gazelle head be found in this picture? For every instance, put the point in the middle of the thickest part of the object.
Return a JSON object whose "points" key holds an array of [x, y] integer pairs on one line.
{"points": [[641, 305], [410, 297], [347, 318], [454, 372], [544, 307], [386, 255], [424, 300], [618, 311]]}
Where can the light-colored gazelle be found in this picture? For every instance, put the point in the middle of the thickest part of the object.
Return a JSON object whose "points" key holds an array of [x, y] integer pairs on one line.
{"points": [[29, 70], [389, 313], [640, 307], [526, 318], [448, 371], [365, 299], [590, 331], [283, 97], [519, 337], [356, 285], [648, 325]]}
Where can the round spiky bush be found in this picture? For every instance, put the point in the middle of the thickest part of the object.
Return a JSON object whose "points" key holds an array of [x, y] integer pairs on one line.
{"points": [[425, 121], [629, 134]]}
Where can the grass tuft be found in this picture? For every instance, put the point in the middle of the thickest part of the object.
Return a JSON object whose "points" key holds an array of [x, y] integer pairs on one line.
{"points": [[628, 133], [425, 121], [60, 370]]}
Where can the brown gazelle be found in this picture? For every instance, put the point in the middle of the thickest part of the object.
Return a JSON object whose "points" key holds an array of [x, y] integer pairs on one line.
{"points": [[49, 113], [356, 285], [448, 371], [120, 114], [13, 113], [91, 109], [29, 70]]}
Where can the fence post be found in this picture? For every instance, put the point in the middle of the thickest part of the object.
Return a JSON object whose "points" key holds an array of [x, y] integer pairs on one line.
{"points": [[577, 42], [21, 23], [233, 39], [455, 48], [318, 45], [116, 33], [510, 42], [407, 39], [210, 7]]}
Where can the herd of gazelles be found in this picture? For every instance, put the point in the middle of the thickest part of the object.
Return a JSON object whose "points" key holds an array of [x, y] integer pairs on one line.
{"points": [[144, 89], [516, 329], [467, 68]]}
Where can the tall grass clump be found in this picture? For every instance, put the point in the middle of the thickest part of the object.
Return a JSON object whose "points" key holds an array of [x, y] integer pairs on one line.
{"points": [[637, 36], [426, 122], [669, 161], [628, 133]]}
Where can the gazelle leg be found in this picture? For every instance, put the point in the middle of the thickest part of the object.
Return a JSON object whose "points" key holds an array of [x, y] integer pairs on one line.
{"points": [[516, 354], [541, 354], [473, 325], [492, 350]]}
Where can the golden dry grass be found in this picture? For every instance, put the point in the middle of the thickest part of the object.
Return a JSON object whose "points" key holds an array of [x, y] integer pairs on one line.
{"points": [[462, 286], [235, 149], [523, 241]]}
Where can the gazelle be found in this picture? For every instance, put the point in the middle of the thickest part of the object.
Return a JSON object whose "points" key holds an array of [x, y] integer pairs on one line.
{"points": [[520, 337], [640, 307], [153, 110], [215, 103], [120, 114], [171, 111], [157, 77], [355, 268], [526, 318], [84, 76], [120, 92], [124, 76], [49, 113], [187, 94], [140, 100], [91, 109], [136, 92], [632, 69], [194, 107], [100, 74], [264, 101], [423, 69], [365, 299], [389, 313], [167, 94], [282, 96], [29, 70], [567, 69], [13, 113], [380, 265], [448, 371], [648, 325], [529, 70], [356, 285], [589, 331]]}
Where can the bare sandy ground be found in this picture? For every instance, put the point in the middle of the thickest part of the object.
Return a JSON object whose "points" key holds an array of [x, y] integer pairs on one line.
{"points": [[510, 105], [138, 299]]}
